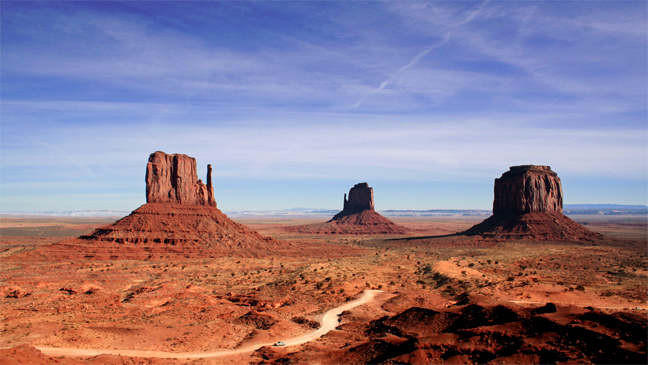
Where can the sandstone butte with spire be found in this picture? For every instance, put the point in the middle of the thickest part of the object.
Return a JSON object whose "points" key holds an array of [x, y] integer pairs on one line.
{"points": [[179, 218], [358, 216], [528, 204], [173, 179]]}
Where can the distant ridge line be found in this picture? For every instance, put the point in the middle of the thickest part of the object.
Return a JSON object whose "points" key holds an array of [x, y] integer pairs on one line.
{"points": [[73, 213], [568, 208]]}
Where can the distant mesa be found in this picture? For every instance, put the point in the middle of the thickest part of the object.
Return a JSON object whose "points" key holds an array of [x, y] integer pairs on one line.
{"points": [[357, 217], [528, 204], [179, 218]]}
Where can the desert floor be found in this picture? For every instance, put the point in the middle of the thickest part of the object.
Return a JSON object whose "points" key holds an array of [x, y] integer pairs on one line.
{"points": [[486, 297]]}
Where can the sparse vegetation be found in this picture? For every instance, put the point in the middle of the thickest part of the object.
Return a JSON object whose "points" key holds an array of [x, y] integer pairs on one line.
{"points": [[181, 303]]}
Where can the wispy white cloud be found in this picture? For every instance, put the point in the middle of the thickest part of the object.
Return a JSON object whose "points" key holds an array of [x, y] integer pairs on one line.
{"points": [[270, 145], [413, 62], [391, 91]]}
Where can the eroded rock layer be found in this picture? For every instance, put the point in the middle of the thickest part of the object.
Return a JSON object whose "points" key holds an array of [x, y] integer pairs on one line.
{"points": [[163, 229], [528, 205]]}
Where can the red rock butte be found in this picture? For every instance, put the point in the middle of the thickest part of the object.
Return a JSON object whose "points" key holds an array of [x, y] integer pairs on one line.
{"points": [[173, 179], [528, 204], [179, 218], [357, 217]]}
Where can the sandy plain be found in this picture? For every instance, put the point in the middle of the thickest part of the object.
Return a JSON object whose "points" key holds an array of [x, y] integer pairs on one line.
{"points": [[212, 304]]}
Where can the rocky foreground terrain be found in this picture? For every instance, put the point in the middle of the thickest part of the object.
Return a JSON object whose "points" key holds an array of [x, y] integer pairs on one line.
{"points": [[448, 298]]}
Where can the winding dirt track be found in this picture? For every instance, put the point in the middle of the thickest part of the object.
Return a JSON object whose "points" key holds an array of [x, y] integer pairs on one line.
{"points": [[328, 322]]}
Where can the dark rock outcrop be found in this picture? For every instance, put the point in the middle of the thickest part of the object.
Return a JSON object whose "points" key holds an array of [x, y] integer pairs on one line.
{"points": [[528, 205], [173, 179], [360, 198]]}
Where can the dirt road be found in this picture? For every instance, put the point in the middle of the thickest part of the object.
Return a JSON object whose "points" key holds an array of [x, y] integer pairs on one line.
{"points": [[328, 322]]}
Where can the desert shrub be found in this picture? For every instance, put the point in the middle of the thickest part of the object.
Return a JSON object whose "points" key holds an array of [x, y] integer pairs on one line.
{"points": [[304, 321], [510, 278], [450, 291], [440, 279], [580, 288]]}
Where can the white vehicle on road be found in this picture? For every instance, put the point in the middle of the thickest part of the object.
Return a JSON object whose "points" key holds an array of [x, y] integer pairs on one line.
{"points": [[280, 343]]}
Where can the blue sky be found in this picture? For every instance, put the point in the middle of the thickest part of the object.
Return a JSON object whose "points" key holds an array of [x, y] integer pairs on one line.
{"points": [[294, 102]]}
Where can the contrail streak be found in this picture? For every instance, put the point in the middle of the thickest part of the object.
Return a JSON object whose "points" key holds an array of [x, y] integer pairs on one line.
{"points": [[418, 57]]}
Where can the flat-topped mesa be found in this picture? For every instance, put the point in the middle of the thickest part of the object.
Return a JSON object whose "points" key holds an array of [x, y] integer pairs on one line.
{"points": [[174, 179], [360, 198], [528, 189], [528, 204]]}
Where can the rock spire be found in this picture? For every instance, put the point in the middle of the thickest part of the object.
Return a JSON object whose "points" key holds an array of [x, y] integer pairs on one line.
{"points": [[174, 179]]}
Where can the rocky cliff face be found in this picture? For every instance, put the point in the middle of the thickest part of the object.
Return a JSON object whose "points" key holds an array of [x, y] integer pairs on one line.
{"points": [[174, 179], [528, 205], [360, 198], [528, 189]]}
